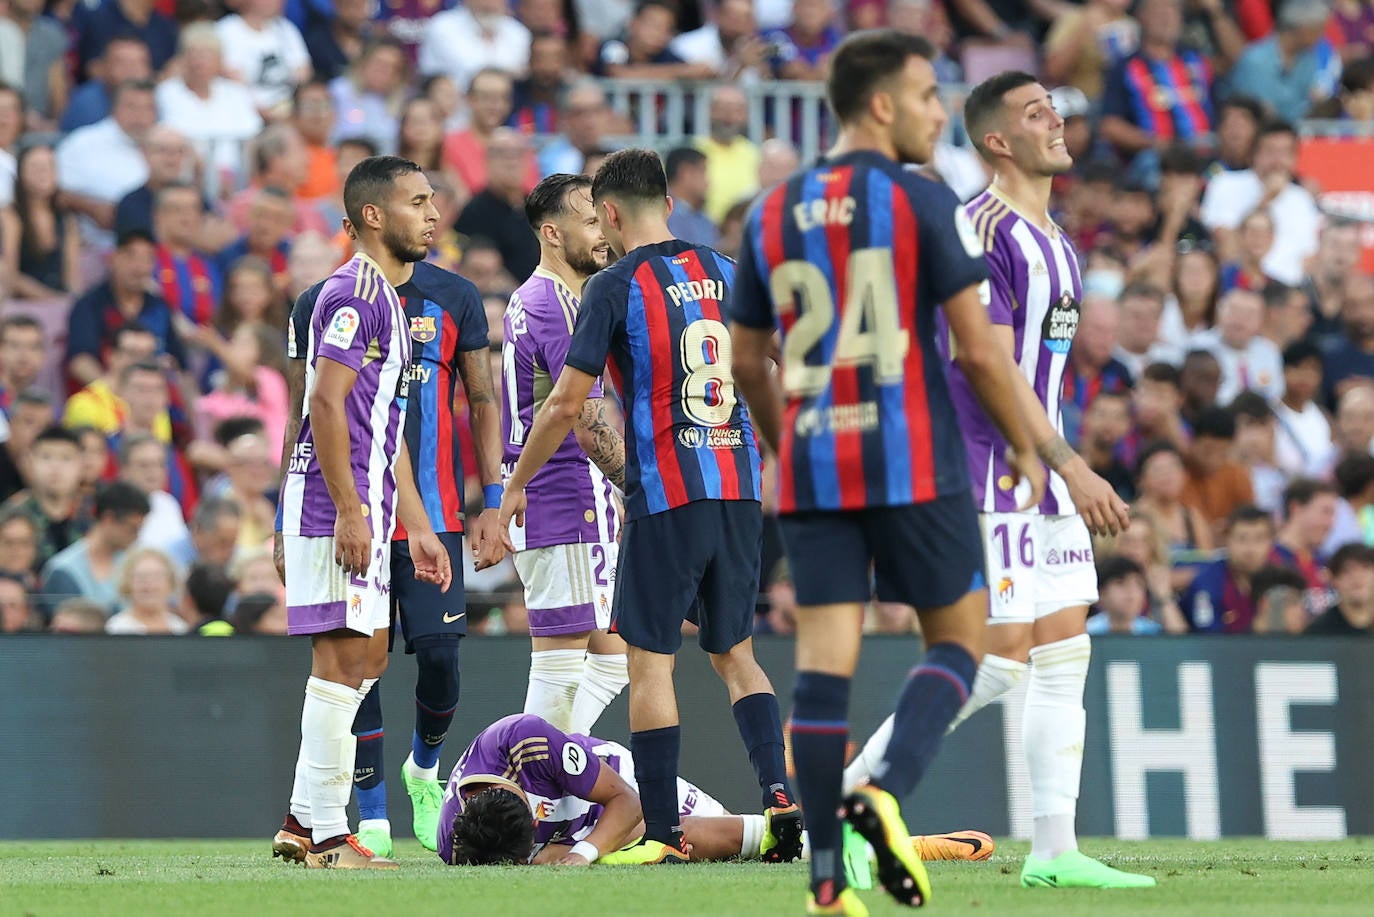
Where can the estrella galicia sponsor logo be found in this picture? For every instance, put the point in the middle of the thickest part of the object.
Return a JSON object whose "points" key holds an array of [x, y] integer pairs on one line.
{"points": [[1061, 324], [711, 437]]}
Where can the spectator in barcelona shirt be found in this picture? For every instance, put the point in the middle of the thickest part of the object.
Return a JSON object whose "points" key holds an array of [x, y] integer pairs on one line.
{"points": [[408, 20], [1254, 239], [802, 50], [537, 96], [1309, 512], [1220, 598], [189, 280]]}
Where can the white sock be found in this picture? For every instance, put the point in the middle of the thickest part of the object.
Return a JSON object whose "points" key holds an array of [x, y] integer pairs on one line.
{"points": [[869, 757], [996, 676], [330, 748], [554, 675], [367, 685], [1053, 729], [300, 789], [417, 772], [754, 826], [603, 677]]}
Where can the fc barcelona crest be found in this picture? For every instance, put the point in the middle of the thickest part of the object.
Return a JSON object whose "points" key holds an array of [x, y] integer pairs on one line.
{"points": [[422, 329]]}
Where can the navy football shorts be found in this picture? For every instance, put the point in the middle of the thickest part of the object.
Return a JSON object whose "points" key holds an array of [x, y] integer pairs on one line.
{"points": [[421, 608]]}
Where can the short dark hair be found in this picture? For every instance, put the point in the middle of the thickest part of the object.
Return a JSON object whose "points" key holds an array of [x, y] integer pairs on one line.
{"points": [[682, 157], [20, 320], [668, 5], [134, 327], [634, 176], [1196, 356], [167, 190], [371, 181], [1247, 104], [131, 86], [1354, 473], [863, 61], [119, 499], [1353, 553], [142, 366], [1141, 289], [211, 510], [226, 431], [57, 434], [1248, 514], [1273, 576], [247, 610], [366, 144], [1251, 406], [549, 199], [1358, 75], [1166, 373], [1150, 450], [1274, 126], [1180, 159], [209, 586], [1215, 422], [129, 236], [1303, 491], [1275, 294], [1116, 568], [1097, 172], [127, 444], [1300, 352], [494, 828]]}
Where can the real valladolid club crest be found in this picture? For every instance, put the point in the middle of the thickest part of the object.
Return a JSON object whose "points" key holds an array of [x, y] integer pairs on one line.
{"points": [[422, 329]]}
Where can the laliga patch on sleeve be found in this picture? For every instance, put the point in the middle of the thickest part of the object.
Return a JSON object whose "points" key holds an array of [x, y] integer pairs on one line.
{"points": [[964, 226], [574, 758], [291, 353], [343, 327]]}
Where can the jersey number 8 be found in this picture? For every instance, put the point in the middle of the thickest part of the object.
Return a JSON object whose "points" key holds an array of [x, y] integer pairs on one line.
{"points": [[870, 329], [708, 391]]}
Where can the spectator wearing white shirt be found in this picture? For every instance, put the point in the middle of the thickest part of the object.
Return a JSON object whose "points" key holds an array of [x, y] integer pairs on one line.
{"points": [[1248, 361], [368, 97], [150, 586], [217, 114], [1303, 443], [11, 126], [97, 165], [1267, 184], [1141, 306], [266, 51], [729, 44], [482, 34]]}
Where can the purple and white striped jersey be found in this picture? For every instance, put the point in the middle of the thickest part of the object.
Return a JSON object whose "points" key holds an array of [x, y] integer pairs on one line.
{"points": [[1035, 288], [359, 322], [570, 500]]}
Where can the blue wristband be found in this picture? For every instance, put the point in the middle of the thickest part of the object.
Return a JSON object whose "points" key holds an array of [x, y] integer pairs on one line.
{"points": [[491, 496]]}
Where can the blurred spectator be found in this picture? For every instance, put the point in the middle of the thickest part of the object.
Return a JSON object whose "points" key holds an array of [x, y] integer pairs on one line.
{"points": [[1309, 511], [30, 414], [1144, 543], [1091, 368], [1355, 100], [124, 59], [468, 152], [778, 160], [1256, 449], [1136, 116], [1254, 239], [686, 171], [781, 614], [1352, 575], [97, 165], [1248, 361], [52, 500], [1085, 41], [1140, 308], [312, 114], [189, 281], [95, 459], [536, 97], [11, 126], [149, 587], [23, 352], [216, 113], [582, 122], [1156, 406], [205, 600], [96, 26], [260, 614], [16, 611], [78, 616], [543, 17], [89, 568], [498, 211], [643, 52], [122, 298], [1122, 600], [407, 20], [45, 74], [483, 266], [214, 532], [254, 573], [420, 138], [1159, 481], [1350, 357], [929, 19], [145, 390], [11, 51], [1191, 308], [1295, 66], [368, 96], [802, 50], [281, 161], [478, 35], [98, 404], [732, 159], [1199, 380], [1354, 476], [170, 159], [442, 91], [603, 19], [729, 44], [250, 295], [1337, 256], [1180, 191], [252, 382], [1354, 427], [335, 43], [268, 234], [1217, 484], [143, 464], [1304, 446], [250, 475], [1219, 599], [312, 257], [1238, 122], [18, 545], [265, 51], [1084, 211], [1287, 314], [1277, 594], [1269, 184], [1105, 424]]}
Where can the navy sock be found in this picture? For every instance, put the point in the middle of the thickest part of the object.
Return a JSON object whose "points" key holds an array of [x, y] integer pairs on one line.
{"points": [[760, 726], [436, 697], [933, 694], [820, 732], [655, 752], [368, 768]]}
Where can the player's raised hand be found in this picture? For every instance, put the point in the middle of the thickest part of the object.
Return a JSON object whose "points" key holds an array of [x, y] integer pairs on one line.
{"points": [[352, 542], [488, 547], [1098, 502], [431, 561], [1028, 467], [513, 504]]}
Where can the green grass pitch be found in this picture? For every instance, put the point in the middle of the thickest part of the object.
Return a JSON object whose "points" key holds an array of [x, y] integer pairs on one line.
{"points": [[146, 878]]}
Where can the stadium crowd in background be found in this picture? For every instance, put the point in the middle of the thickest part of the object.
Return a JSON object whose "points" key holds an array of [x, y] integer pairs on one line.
{"points": [[170, 180]]}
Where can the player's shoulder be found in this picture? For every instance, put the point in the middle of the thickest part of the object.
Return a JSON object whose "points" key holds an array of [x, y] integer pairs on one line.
{"points": [[443, 287], [357, 282], [992, 217], [613, 280]]}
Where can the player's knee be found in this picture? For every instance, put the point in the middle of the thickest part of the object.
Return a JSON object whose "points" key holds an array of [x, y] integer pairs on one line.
{"points": [[438, 664]]}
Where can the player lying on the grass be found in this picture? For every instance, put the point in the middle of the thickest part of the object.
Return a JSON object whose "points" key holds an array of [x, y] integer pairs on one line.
{"points": [[525, 792]]}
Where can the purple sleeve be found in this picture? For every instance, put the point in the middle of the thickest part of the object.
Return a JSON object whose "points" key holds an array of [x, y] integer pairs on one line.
{"points": [[569, 767], [344, 327], [1001, 288], [555, 338]]}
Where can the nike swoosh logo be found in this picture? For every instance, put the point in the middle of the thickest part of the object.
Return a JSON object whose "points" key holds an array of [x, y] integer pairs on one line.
{"points": [[973, 842], [449, 619]]}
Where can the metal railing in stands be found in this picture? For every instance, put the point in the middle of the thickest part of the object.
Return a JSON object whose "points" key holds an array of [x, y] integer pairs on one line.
{"points": [[1335, 129]]}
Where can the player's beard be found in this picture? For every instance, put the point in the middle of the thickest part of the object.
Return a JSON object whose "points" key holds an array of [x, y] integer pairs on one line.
{"points": [[402, 248], [583, 262]]}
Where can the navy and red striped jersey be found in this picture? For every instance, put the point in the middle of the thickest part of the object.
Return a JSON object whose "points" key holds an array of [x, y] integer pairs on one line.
{"points": [[446, 320], [850, 259], [658, 313]]}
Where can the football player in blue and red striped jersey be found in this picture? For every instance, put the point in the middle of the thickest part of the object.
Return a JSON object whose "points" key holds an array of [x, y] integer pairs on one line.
{"points": [[694, 523], [849, 259]]}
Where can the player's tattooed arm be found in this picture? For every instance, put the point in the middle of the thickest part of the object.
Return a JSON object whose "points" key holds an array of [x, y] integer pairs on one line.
{"points": [[485, 412], [602, 442], [1056, 452]]}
